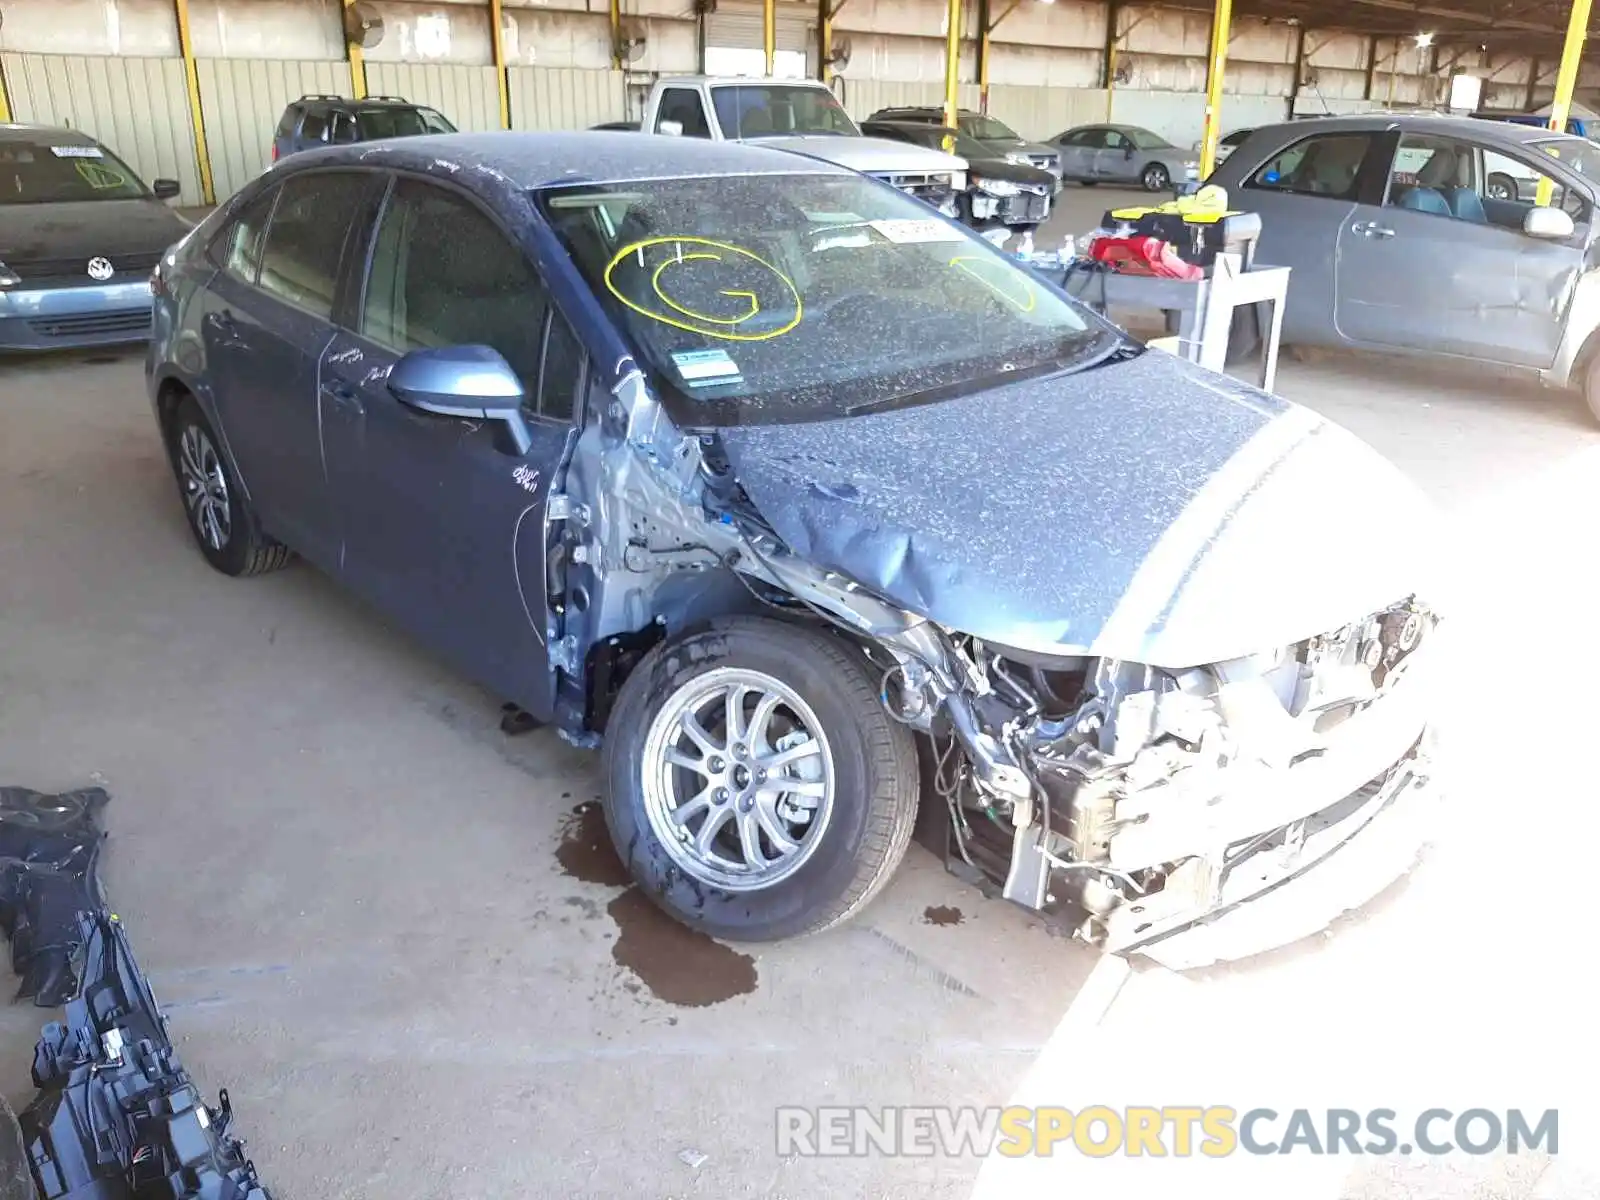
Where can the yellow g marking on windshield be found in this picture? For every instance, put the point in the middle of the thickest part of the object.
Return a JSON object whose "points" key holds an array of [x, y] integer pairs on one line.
{"points": [[98, 176], [986, 270], [655, 282], [690, 319]]}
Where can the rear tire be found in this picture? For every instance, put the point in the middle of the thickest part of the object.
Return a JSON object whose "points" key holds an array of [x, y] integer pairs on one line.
{"points": [[807, 709], [224, 525], [1156, 178], [1591, 386]]}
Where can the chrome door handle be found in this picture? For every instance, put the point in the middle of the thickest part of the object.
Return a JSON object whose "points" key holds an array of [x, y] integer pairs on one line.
{"points": [[1372, 229]]}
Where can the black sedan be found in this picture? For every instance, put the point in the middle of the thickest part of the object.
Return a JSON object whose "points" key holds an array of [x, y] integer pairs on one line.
{"points": [[1000, 189], [79, 236]]}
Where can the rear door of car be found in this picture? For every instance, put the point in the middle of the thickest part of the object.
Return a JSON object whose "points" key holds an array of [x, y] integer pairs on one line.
{"points": [[265, 326], [443, 527], [1077, 148], [1304, 185]]}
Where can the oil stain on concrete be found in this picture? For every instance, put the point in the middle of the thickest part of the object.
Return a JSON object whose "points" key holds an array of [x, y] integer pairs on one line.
{"points": [[679, 965], [676, 964], [942, 914], [586, 851]]}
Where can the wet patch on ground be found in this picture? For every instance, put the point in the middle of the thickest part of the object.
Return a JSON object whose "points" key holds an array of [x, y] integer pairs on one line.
{"points": [[942, 914], [586, 851], [677, 964]]}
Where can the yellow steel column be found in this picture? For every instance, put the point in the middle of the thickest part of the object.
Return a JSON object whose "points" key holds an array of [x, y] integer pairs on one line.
{"points": [[952, 66], [769, 32], [1566, 80], [1221, 22], [5, 103], [616, 35], [358, 62], [191, 78], [497, 42], [824, 40]]}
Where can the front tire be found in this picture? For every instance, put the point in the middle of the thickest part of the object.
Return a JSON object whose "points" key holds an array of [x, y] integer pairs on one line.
{"points": [[1156, 178], [1501, 186], [757, 787], [1591, 386], [220, 518]]}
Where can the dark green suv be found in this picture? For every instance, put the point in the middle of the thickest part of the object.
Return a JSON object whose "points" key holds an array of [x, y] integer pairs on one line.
{"points": [[313, 121]]}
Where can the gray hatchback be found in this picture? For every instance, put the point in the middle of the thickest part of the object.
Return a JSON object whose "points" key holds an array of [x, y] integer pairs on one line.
{"points": [[1426, 234]]}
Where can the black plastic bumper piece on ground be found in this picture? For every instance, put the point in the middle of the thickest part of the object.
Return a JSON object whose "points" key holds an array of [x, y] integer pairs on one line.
{"points": [[116, 1116]]}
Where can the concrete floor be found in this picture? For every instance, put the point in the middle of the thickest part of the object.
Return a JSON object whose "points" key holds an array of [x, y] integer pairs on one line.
{"points": [[374, 917]]}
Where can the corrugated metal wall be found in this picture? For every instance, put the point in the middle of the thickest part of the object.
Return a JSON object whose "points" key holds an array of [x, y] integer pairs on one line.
{"points": [[136, 106], [1043, 112], [565, 97], [468, 96], [243, 100], [863, 97]]}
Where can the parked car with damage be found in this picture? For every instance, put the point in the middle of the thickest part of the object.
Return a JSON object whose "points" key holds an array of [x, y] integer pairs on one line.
{"points": [[813, 510], [1124, 154], [803, 117], [997, 139], [1000, 189], [1424, 234], [79, 235]]}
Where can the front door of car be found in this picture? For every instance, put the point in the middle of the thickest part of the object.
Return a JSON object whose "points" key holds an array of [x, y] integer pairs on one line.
{"points": [[1440, 265], [444, 527], [1115, 160], [267, 320]]}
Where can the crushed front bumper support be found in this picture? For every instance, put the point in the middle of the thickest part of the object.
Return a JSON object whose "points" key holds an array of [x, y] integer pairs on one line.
{"points": [[1291, 883]]}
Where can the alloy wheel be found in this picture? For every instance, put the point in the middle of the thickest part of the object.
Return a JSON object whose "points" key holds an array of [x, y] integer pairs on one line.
{"points": [[738, 779], [205, 487]]}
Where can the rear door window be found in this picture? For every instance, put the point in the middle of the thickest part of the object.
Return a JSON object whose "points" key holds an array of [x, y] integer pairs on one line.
{"points": [[1326, 165], [237, 248], [305, 241], [315, 127]]}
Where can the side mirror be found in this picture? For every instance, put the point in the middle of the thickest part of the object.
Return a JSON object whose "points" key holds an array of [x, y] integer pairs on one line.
{"points": [[670, 128], [166, 189], [1551, 223], [463, 381]]}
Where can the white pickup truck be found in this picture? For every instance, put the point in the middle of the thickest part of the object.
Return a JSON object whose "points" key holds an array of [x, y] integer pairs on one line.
{"points": [[803, 117]]}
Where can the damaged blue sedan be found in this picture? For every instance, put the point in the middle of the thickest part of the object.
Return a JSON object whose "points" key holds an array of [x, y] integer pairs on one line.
{"points": [[823, 519]]}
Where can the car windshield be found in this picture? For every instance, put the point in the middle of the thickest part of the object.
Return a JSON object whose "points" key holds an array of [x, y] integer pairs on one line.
{"points": [[967, 147], [43, 172], [1581, 155], [988, 129], [1144, 139], [779, 298], [388, 122], [757, 111]]}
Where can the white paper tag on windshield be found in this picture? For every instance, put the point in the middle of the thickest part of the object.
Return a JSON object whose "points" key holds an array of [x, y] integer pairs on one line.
{"points": [[76, 151], [918, 231], [705, 368]]}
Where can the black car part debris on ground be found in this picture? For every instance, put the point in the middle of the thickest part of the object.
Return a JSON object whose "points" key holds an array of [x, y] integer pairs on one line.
{"points": [[116, 1115]]}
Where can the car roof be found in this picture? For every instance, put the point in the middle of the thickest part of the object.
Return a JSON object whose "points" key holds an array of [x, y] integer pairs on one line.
{"points": [[738, 80], [1472, 128], [17, 132], [523, 161], [349, 102]]}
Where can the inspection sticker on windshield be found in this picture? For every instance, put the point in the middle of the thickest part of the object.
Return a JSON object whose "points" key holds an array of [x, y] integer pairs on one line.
{"points": [[907, 231], [76, 151], [706, 368]]}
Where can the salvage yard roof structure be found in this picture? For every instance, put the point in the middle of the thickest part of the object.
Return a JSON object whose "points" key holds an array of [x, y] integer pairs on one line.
{"points": [[1530, 26]]}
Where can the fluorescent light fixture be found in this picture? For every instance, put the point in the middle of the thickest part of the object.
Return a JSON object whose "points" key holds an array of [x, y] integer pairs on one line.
{"points": [[1423, 40]]}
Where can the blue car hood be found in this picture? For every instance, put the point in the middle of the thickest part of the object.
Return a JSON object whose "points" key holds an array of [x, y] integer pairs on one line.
{"points": [[1146, 510]]}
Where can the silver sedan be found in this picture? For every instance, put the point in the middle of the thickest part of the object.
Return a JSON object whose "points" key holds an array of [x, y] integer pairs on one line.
{"points": [[1093, 154]]}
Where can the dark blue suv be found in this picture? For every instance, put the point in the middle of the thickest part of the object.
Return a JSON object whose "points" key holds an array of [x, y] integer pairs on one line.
{"points": [[782, 487], [325, 120]]}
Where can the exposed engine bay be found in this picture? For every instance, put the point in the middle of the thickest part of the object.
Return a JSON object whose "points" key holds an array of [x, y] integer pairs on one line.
{"points": [[1132, 799]]}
